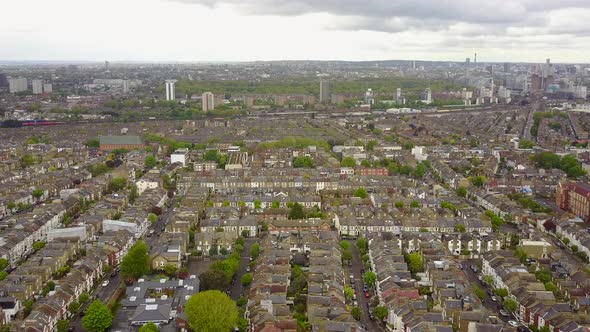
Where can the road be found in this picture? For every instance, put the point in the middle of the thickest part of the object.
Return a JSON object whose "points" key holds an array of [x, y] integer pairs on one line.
{"points": [[355, 270], [237, 288]]}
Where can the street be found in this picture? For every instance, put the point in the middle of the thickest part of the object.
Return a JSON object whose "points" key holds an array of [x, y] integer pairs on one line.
{"points": [[237, 288], [363, 302]]}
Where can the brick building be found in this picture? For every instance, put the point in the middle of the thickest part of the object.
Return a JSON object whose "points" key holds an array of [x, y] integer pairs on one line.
{"points": [[575, 198], [108, 143]]}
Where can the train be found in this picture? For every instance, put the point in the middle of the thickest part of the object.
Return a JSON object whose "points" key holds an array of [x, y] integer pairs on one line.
{"points": [[28, 123]]}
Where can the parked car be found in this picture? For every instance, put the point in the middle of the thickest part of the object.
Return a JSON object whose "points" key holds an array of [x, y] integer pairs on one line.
{"points": [[504, 313], [355, 303], [513, 323], [365, 288], [367, 294], [494, 298], [354, 296], [105, 283]]}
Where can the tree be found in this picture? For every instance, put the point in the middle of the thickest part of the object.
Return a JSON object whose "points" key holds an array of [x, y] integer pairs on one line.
{"points": [[62, 325], [346, 255], [510, 305], [414, 261], [213, 279], [361, 243], [348, 292], [348, 162], [460, 228], [117, 184], [169, 269], [137, 261], [296, 212], [478, 181], [153, 218], [488, 279], [223, 251], [345, 245], [211, 311], [543, 276], [399, 205], [27, 160], [74, 307], [549, 286], [303, 162], [93, 143], [420, 170], [98, 317], [574, 248], [213, 250], [461, 192], [38, 245], [257, 204], [37, 193], [3, 263], [84, 297], [275, 205], [150, 161], [415, 204], [361, 192], [381, 312], [370, 277], [501, 292], [149, 327], [254, 250], [247, 279], [3, 275], [356, 313]]}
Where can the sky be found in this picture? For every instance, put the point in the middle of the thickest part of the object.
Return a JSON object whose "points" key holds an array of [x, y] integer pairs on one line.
{"points": [[252, 30]]}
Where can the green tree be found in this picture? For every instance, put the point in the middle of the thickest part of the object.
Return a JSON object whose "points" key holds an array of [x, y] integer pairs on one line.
{"points": [[211, 311], [27, 160], [93, 143], [414, 261], [296, 212], [361, 192], [371, 145], [510, 305], [3, 275], [303, 162], [478, 181], [63, 325], [381, 312], [150, 161], [137, 261], [501, 292], [461, 192], [348, 162], [420, 170], [488, 280], [415, 204], [84, 297], [153, 218], [348, 292], [543, 275], [399, 204], [3, 263], [213, 250], [169, 269], [254, 250], [74, 307], [549, 286], [345, 245], [574, 248], [361, 243], [98, 317], [117, 184], [346, 255], [257, 204], [37, 193], [149, 327], [38, 245], [247, 279], [370, 278], [275, 205], [213, 279], [356, 313], [460, 228]]}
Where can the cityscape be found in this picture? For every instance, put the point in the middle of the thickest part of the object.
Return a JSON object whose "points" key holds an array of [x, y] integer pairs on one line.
{"points": [[439, 192]]}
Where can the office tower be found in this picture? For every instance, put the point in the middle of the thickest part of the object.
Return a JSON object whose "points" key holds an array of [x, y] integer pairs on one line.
{"points": [[467, 61], [369, 97], [37, 86], [47, 88], [398, 94], [324, 91], [106, 65], [427, 96], [170, 93], [208, 101], [475, 59], [506, 67], [413, 64], [125, 86], [3, 80], [17, 84]]}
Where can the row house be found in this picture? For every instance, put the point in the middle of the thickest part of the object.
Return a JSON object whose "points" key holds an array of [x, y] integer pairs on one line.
{"points": [[116, 245], [575, 233], [220, 240]]}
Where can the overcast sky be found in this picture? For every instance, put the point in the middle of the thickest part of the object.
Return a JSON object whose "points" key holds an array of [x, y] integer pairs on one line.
{"points": [[245, 30]]}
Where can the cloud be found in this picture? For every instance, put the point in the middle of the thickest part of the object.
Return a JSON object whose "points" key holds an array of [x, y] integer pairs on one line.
{"points": [[394, 16]]}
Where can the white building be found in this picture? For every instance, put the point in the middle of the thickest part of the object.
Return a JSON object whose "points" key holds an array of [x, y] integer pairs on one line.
{"points": [[47, 88], [144, 184], [69, 232], [580, 92], [137, 229], [208, 101], [37, 86], [369, 97], [179, 156], [427, 96], [170, 92], [17, 84]]}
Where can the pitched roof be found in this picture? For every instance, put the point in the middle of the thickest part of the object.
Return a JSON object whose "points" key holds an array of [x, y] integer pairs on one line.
{"points": [[125, 140]]}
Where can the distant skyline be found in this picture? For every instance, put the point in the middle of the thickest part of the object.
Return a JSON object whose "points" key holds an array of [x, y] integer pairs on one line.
{"points": [[264, 30]]}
